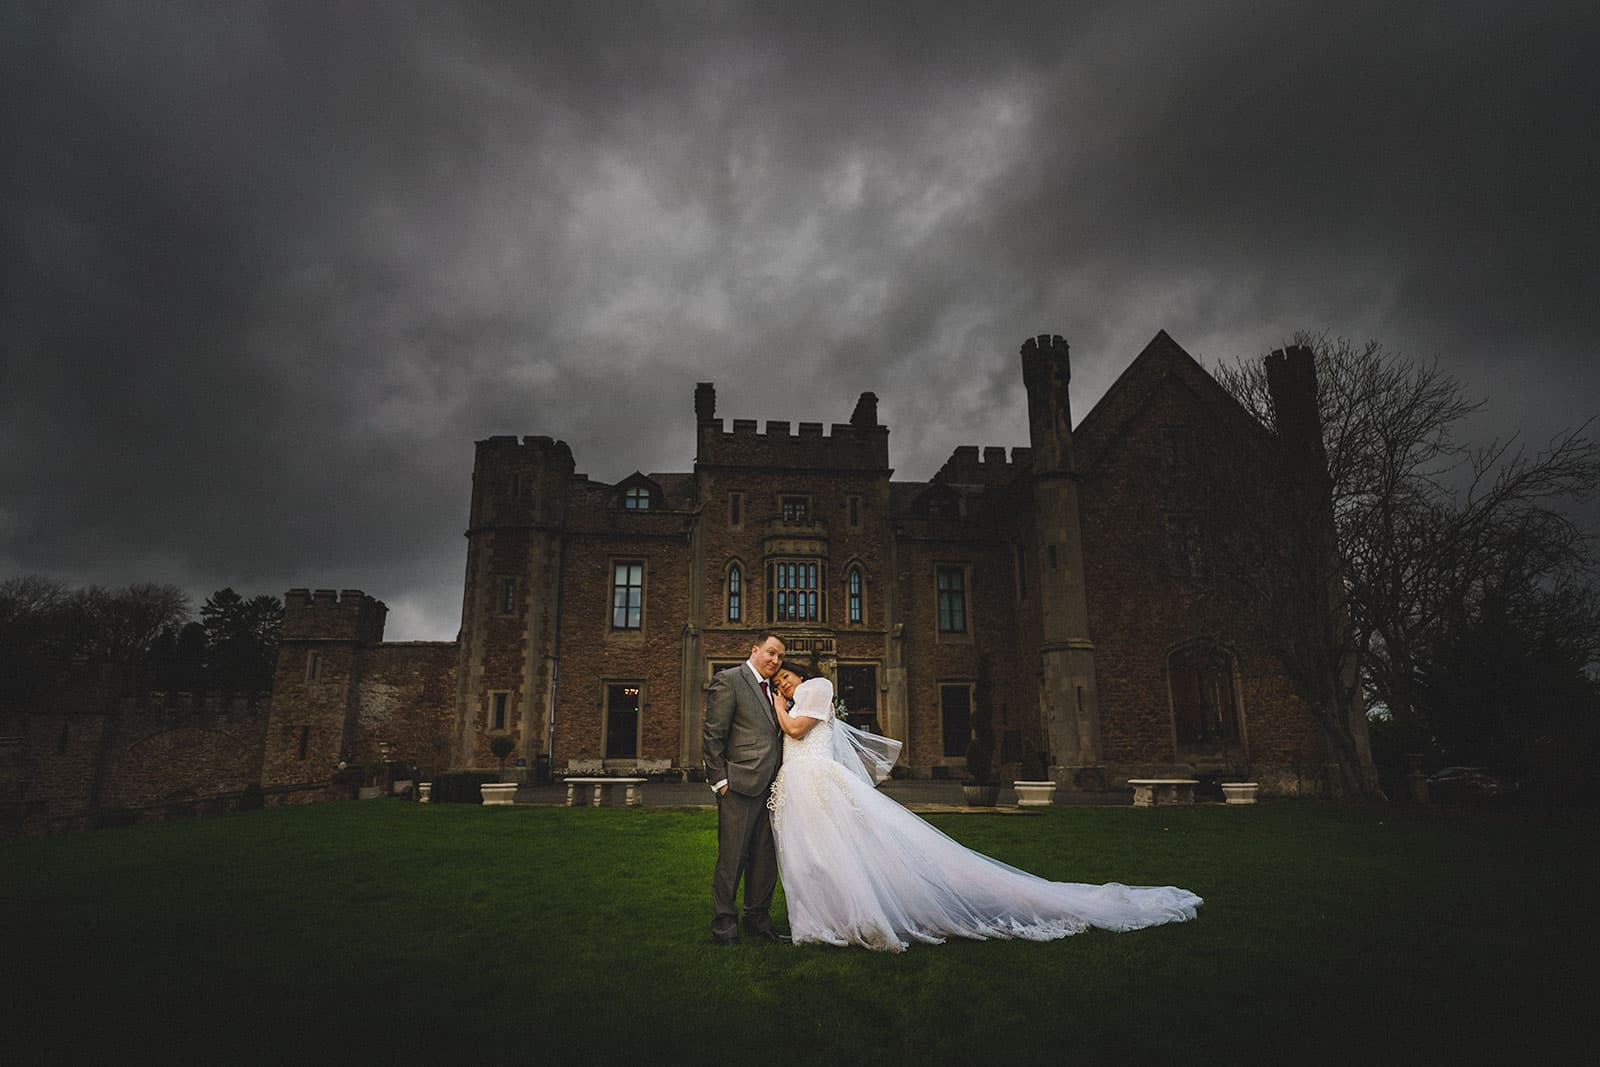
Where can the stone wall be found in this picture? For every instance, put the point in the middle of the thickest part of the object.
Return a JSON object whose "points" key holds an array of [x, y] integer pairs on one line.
{"points": [[407, 698], [89, 754], [1171, 455]]}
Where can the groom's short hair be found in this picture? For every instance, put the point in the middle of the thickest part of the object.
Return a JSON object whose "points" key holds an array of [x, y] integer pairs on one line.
{"points": [[762, 636]]}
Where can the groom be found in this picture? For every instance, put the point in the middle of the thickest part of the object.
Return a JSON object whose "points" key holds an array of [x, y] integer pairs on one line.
{"points": [[743, 747]]}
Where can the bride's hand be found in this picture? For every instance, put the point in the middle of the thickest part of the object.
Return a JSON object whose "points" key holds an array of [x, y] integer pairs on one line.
{"points": [[779, 702]]}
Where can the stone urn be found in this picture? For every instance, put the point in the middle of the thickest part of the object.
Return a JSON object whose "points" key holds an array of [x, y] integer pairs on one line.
{"points": [[1239, 792], [424, 792], [497, 794], [1035, 794]]}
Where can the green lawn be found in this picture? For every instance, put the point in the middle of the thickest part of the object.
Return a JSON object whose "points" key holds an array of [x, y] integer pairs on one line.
{"points": [[360, 932]]}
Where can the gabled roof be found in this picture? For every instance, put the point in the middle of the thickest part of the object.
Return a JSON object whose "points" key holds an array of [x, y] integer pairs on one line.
{"points": [[1162, 359], [638, 480]]}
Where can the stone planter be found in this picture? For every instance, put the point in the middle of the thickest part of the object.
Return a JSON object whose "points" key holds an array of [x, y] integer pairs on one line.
{"points": [[1035, 794], [1239, 792], [498, 793], [981, 796], [424, 792]]}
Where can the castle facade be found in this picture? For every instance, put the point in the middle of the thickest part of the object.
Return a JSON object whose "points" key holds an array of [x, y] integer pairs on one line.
{"points": [[1065, 580]]}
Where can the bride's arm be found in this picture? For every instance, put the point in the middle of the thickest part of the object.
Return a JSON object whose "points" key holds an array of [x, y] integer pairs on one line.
{"points": [[796, 726]]}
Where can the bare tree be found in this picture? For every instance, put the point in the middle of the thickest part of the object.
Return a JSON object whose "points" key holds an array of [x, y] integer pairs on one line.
{"points": [[1418, 518], [119, 625]]}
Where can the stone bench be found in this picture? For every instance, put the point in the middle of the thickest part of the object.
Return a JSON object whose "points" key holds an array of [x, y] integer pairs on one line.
{"points": [[1157, 792], [602, 787]]}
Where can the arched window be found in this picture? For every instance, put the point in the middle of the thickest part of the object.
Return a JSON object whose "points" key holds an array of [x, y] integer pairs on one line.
{"points": [[853, 597], [1205, 707], [735, 593], [636, 498]]}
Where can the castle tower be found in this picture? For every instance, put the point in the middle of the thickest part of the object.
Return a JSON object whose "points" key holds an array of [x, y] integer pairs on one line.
{"points": [[1292, 384], [1067, 697], [506, 674], [314, 694]]}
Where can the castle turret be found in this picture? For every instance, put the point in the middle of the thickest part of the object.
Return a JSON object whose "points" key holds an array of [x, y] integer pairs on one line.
{"points": [[1067, 695], [1292, 384], [509, 640], [314, 694]]}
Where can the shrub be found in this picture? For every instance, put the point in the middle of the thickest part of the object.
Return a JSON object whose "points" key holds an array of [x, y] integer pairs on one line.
{"points": [[502, 747], [114, 818], [1035, 768], [461, 787], [980, 751]]}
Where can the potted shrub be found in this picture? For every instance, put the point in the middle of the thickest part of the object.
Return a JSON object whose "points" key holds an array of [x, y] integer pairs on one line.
{"points": [[376, 772], [1035, 789], [501, 792], [1236, 789], [501, 747], [982, 784]]}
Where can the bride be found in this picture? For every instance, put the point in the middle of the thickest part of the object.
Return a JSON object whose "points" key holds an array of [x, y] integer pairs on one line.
{"points": [[859, 869]]}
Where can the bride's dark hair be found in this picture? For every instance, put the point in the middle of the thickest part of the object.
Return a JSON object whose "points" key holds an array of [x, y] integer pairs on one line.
{"points": [[794, 668]]}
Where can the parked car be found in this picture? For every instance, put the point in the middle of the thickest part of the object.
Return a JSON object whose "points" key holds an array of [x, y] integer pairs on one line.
{"points": [[1468, 783]]}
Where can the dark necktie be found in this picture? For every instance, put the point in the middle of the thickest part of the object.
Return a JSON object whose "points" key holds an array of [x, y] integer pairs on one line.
{"points": [[766, 692]]}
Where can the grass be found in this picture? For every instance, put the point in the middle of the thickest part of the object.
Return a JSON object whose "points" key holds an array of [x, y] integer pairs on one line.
{"points": [[371, 931]]}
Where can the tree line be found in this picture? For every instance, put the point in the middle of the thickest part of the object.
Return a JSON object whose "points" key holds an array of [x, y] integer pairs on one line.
{"points": [[141, 637]]}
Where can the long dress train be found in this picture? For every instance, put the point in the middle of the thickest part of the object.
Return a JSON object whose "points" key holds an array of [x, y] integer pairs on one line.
{"points": [[859, 869]]}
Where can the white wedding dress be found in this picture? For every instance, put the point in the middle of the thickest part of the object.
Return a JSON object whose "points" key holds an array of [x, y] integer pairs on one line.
{"points": [[859, 869]]}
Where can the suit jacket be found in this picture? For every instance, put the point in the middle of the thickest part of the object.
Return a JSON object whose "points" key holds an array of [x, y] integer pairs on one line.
{"points": [[742, 741]]}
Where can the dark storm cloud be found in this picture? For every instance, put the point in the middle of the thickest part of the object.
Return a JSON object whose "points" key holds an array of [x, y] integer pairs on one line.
{"points": [[271, 268]]}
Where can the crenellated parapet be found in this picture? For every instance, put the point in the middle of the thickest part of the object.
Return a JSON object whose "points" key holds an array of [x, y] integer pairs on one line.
{"points": [[519, 482], [333, 615], [860, 444], [967, 467], [186, 705]]}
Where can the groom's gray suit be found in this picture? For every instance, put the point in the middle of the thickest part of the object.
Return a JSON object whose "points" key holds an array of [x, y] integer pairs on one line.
{"points": [[743, 745]]}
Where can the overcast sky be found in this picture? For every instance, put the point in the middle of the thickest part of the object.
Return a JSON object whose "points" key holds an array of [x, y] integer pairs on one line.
{"points": [[270, 269]]}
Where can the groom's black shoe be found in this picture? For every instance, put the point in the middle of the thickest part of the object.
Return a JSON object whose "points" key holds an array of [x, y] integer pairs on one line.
{"points": [[724, 941], [769, 934]]}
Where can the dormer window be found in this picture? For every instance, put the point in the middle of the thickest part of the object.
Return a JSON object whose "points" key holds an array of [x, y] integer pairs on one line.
{"points": [[636, 492]]}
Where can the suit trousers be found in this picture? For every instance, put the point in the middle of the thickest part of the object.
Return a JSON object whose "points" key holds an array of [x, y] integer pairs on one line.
{"points": [[745, 848]]}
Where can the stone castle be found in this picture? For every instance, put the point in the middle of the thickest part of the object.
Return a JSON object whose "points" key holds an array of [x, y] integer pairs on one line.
{"points": [[1074, 574], [1070, 573]]}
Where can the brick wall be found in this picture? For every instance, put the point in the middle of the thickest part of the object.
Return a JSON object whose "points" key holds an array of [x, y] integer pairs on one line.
{"points": [[595, 654]]}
